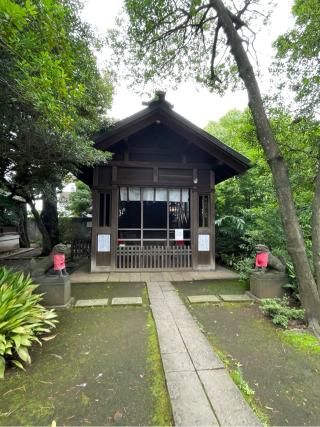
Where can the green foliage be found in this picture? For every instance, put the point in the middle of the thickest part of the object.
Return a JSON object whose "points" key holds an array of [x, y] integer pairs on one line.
{"points": [[177, 40], [80, 201], [52, 95], [298, 54], [246, 206], [22, 318], [280, 311]]}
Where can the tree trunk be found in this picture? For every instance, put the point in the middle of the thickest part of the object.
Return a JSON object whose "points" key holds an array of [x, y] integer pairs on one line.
{"points": [[316, 228], [49, 216], [294, 238], [46, 242], [23, 230]]}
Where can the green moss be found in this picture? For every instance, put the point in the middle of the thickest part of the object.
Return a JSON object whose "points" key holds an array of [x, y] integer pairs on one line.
{"points": [[145, 297], [162, 415], [211, 287], [301, 341]]}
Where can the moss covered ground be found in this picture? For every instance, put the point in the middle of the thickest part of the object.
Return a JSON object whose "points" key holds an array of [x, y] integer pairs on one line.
{"points": [[281, 367], [211, 287], [102, 368]]}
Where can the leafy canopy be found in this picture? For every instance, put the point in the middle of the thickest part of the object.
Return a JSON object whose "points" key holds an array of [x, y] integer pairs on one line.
{"points": [[177, 40], [298, 53], [80, 201], [52, 95]]}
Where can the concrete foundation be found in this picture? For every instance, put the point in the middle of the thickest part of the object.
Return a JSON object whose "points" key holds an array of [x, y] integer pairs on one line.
{"points": [[268, 284], [56, 290]]}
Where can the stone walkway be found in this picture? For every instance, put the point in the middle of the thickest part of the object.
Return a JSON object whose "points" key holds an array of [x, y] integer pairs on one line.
{"points": [[83, 275], [200, 388]]}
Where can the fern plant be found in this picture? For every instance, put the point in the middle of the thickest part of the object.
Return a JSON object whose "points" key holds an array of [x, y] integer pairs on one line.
{"points": [[22, 319]]}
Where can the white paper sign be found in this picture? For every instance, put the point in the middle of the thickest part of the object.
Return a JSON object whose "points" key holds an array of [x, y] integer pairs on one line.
{"points": [[89, 224], [178, 234], [103, 242], [203, 242]]}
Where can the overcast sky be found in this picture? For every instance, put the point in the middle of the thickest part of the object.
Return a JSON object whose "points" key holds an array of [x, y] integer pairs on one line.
{"points": [[195, 103]]}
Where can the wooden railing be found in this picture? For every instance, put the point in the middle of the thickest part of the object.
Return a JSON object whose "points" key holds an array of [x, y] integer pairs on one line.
{"points": [[154, 258], [80, 249]]}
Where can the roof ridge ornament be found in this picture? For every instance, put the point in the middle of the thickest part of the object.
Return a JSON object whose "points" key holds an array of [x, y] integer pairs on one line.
{"points": [[158, 99]]}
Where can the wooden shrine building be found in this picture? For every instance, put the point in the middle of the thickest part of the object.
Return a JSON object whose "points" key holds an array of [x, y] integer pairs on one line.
{"points": [[153, 203]]}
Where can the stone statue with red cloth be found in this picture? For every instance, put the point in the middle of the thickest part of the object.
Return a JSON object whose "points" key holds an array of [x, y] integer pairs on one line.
{"points": [[265, 259], [59, 259]]}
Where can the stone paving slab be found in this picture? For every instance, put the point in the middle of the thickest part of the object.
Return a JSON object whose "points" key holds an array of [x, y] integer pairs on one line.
{"points": [[170, 340], [127, 301], [166, 286], [194, 299], [101, 302], [236, 298], [192, 369], [190, 406], [201, 353], [177, 362], [230, 407], [83, 275]]}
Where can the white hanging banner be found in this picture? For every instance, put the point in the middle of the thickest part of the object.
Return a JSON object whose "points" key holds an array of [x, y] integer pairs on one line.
{"points": [[103, 242], [203, 242], [178, 234]]}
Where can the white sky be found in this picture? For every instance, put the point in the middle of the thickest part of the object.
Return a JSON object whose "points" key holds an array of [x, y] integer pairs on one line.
{"points": [[204, 106]]}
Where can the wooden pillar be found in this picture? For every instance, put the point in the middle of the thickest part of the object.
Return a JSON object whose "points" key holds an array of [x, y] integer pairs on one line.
{"points": [[94, 229], [194, 226], [114, 226], [213, 219]]}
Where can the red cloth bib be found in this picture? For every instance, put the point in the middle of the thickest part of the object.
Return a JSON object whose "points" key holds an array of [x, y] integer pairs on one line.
{"points": [[59, 262], [262, 259]]}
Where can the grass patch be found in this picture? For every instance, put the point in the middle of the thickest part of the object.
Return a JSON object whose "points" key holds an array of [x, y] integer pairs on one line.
{"points": [[303, 341], [162, 415]]}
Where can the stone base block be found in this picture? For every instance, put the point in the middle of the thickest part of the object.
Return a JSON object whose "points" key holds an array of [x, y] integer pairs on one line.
{"points": [[268, 285], [194, 299], [56, 290]]}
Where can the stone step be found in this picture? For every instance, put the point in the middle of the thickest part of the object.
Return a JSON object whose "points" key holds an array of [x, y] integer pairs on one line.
{"points": [[101, 302], [236, 298], [127, 301], [196, 299]]}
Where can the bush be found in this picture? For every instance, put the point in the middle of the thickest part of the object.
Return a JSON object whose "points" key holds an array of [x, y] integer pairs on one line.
{"points": [[280, 311], [22, 318]]}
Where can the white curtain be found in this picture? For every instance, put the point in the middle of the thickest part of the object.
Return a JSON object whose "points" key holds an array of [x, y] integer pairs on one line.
{"points": [[134, 194], [174, 195], [185, 195], [161, 195], [123, 194], [148, 194]]}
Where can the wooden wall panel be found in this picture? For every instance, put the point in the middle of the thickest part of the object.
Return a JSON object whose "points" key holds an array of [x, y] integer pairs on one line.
{"points": [[130, 175], [175, 176], [104, 176]]}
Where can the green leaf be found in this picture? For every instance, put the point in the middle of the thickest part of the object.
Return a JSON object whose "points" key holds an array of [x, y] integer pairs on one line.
{"points": [[23, 353], [18, 364], [2, 366]]}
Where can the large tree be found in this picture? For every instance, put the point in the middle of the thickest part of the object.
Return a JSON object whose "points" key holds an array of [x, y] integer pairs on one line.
{"points": [[298, 53], [209, 40], [52, 98]]}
